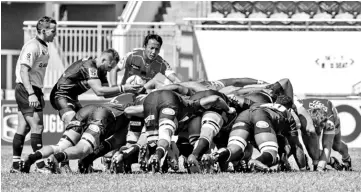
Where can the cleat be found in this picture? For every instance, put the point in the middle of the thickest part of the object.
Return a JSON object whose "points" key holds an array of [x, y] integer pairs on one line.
{"points": [[173, 163], [241, 167], [165, 166], [65, 168], [256, 165], [143, 158], [24, 166], [14, 170], [336, 164], [283, 164], [44, 170], [53, 165], [193, 164], [347, 165], [154, 162], [84, 167], [106, 161], [207, 162]]}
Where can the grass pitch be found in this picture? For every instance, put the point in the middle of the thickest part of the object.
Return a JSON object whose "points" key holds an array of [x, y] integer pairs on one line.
{"points": [[293, 181]]}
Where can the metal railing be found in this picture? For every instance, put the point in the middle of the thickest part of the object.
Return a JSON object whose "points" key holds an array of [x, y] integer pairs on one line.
{"points": [[79, 39], [9, 53]]}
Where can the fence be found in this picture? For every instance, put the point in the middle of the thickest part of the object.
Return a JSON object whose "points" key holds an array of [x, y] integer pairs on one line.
{"points": [[78, 39]]}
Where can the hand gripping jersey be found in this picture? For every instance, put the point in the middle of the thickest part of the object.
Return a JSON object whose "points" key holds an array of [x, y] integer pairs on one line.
{"points": [[135, 63], [74, 81], [325, 105], [35, 55]]}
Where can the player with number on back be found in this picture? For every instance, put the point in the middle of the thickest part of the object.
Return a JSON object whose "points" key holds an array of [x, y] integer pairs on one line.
{"points": [[79, 77]]}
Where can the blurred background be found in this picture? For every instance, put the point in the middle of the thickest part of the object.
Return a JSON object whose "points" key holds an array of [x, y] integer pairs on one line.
{"points": [[316, 44]]}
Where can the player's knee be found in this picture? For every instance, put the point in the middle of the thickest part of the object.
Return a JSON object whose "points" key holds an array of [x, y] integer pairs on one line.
{"points": [[236, 143], [68, 116], [211, 124], [38, 129], [166, 129], [89, 142]]}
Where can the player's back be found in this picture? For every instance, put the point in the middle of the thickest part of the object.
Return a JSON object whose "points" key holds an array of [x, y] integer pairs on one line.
{"points": [[74, 80]]}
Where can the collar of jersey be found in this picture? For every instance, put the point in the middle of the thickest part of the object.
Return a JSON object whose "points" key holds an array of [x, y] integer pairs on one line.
{"points": [[41, 41]]}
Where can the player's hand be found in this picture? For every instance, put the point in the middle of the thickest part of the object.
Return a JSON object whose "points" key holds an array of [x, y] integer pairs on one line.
{"points": [[330, 125], [231, 110], [117, 157], [33, 101], [131, 88]]}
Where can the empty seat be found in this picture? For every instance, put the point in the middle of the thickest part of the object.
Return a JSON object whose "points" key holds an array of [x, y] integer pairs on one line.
{"points": [[245, 7]]}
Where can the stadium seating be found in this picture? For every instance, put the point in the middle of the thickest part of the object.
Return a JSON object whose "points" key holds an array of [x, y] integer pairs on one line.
{"points": [[295, 10]]}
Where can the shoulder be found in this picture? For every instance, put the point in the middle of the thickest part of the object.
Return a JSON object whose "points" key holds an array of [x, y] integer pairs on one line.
{"points": [[31, 45]]}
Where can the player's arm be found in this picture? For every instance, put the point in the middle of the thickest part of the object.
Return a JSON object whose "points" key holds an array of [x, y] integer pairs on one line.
{"points": [[169, 73], [240, 82], [100, 90], [194, 86], [177, 88], [27, 61], [134, 111], [113, 74], [216, 102]]}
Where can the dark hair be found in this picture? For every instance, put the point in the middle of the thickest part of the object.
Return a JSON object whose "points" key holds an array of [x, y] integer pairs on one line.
{"points": [[318, 116], [285, 101], [114, 53], [44, 23], [152, 36]]}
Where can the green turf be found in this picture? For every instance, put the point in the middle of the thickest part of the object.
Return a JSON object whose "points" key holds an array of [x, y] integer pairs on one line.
{"points": [[295, 181]]}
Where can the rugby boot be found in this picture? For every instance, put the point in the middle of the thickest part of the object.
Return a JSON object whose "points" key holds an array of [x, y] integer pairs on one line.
{"points": [[193, 164], [241, 166], [173, 163], [15, 168], [65, 168], [347, 164], [24, 166], [44, 170], [143, 161], [53, 165], [284, 164], [334, 163], [154, 162], [207, 162], [106, 161], [256, 165]]}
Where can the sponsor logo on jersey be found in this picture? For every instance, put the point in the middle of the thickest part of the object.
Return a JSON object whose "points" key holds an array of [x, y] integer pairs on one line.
{"points": [[334, 62], [168, 111], [262, 124], [149, 118], [93, 73], [28, 56], [135, 67], [77, 123], [238, 124], [135, 123], [317, 104]]}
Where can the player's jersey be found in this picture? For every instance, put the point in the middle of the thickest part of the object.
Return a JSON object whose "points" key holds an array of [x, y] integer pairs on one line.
{"points": [[215, 85], [35, 55], [325, 105], [74, 80], [135, 63]]}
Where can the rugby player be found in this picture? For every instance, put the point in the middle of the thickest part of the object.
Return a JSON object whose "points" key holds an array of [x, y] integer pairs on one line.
{"points": [[145, 63], [30, 72], [165, 111], [327, 123], [260, 123], [79, 123]]}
